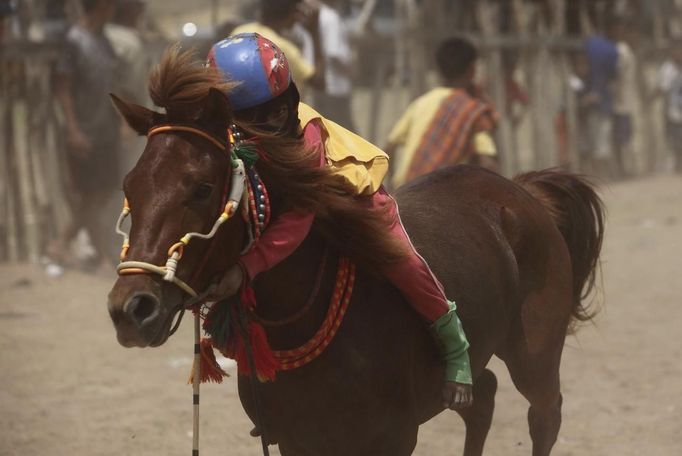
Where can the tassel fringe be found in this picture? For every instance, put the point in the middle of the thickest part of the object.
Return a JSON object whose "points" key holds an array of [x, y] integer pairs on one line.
{"points": [[218, 324], [209, 369]]}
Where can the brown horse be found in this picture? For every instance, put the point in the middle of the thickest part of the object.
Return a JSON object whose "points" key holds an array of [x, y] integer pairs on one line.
{"points": [[517, 256]]}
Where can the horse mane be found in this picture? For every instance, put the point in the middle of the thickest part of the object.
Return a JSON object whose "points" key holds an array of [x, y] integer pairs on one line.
{"points": [[181, 84]]}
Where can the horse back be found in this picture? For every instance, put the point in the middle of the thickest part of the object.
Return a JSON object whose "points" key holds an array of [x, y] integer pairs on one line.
{"points": [[489, 242]]}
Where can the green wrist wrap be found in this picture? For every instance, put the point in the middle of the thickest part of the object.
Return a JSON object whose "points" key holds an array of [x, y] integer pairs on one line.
{"points": [[450, 336]]}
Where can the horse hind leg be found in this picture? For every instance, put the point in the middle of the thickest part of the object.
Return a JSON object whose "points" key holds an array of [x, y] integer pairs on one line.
{"points": [[479, 416], [536, 377]]}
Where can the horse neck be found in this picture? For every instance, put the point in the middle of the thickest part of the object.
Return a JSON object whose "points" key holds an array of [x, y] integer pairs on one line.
{"points": [[288, 287]]}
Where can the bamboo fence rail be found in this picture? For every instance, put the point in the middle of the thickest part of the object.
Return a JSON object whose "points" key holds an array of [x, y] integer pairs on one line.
{"points": [[32, 199]]}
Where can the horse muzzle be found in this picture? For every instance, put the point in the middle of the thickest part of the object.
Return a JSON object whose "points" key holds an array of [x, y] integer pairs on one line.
{"points": [[142, 312]]}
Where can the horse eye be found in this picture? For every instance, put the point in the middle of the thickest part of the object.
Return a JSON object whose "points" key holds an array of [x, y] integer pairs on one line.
{"points": [[202, 192]]}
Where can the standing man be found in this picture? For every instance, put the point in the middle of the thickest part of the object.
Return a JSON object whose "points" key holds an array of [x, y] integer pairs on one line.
{"points": [[449, 125], [602, 56], [624, 99], [670, 86], [84, 78], [126, 40], [335, 101], [277, 17]]}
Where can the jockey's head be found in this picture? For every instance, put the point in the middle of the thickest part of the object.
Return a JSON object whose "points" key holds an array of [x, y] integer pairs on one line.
{"points": [[266, 96]]}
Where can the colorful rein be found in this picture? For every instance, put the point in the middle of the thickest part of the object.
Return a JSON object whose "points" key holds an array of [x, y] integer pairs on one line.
{"points": [[168, 271]]}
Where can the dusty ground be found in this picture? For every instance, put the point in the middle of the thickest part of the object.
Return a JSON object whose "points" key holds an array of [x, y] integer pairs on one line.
{"points": [[67, 388]]}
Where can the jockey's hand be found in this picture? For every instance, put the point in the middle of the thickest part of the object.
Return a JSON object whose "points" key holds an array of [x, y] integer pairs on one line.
{"points": [[228, 285], [457, 396]]}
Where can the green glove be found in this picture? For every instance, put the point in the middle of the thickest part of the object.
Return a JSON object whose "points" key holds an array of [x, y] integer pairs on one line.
{"points": [[453, 343]]}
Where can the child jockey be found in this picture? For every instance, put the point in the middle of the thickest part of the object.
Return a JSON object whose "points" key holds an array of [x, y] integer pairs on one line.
{"points": [[266, 95]]}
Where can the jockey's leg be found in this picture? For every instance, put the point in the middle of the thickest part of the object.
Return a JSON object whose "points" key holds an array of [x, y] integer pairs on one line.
{"points": [[413, 277]]}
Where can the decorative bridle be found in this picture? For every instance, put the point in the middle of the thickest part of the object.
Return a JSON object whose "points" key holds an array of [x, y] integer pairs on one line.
{"points": [[175, 252], [168, 272]]}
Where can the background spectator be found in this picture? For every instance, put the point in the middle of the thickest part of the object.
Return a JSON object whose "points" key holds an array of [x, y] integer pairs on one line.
{"points": [[602, 56], [84, 78], [334, 102], [448, 125], [277, 17], [126, 40], [670, 85], [624, 99]]}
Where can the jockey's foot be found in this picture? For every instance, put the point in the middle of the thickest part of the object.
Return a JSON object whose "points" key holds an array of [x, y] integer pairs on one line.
{"points": [[255, 432], [448, 331], [457, 396]]}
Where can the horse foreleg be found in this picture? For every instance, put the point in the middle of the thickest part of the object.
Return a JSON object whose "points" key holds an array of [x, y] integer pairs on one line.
{"points": [[479, 416]]}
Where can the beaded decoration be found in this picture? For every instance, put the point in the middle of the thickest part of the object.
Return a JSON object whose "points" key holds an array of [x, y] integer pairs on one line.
{"points": [[259, 203], [257, 211]]}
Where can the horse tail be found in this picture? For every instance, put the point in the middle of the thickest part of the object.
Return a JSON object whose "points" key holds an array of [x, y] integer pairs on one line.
{"points": [[579, 213]]}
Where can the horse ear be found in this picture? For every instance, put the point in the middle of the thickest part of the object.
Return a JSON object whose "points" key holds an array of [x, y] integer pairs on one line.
{"points": [[139, 118], [217, 106]]}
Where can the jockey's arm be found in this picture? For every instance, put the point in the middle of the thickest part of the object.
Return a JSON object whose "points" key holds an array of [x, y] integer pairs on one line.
{"points": [[278, 241]]}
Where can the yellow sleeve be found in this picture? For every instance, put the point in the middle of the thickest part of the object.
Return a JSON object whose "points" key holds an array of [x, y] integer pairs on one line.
{"points": [[364, 178], [484, 144], [401, 129], [359, 164]]}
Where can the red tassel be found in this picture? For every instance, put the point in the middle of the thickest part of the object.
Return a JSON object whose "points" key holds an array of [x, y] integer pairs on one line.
{"points": [[263, 357], [209, 369], [248, 296], [266, 363]]}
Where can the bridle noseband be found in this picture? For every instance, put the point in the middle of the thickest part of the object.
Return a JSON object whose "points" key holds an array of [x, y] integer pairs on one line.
{"points": [[175, 252]]}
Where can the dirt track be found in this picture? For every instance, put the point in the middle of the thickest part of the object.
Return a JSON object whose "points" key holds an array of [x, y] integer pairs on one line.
{"points": [[67, 388]]}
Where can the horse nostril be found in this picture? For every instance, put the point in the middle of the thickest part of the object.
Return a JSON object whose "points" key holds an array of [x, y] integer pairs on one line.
{"points": [[141, 307]]}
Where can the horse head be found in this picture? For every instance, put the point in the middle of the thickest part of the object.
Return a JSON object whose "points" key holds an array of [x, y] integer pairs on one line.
{"points": [[178, 186]]}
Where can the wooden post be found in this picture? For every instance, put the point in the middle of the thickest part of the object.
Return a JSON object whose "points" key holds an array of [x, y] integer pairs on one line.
{"points": [[20, 114], [365, 15], [544, 148], [416, 60], [4, 164], [505, 137], [37, 79], [376, 98], [54, 162], [9, 76]]}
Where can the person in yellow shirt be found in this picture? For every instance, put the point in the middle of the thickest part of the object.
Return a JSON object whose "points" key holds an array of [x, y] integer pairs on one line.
{"points": [[448, 125], [278, 16]]}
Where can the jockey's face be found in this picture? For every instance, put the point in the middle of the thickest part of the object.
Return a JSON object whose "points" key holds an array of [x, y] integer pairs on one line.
{"points": [[274, 119], [277, 119], [278, 116]]}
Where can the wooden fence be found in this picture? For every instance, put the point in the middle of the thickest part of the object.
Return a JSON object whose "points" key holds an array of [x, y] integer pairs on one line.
{"points": [[33, 203], [392, 80], [32, 200]]}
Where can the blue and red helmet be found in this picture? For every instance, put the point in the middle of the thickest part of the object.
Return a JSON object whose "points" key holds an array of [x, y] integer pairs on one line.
{"points": [[256, 63]]}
